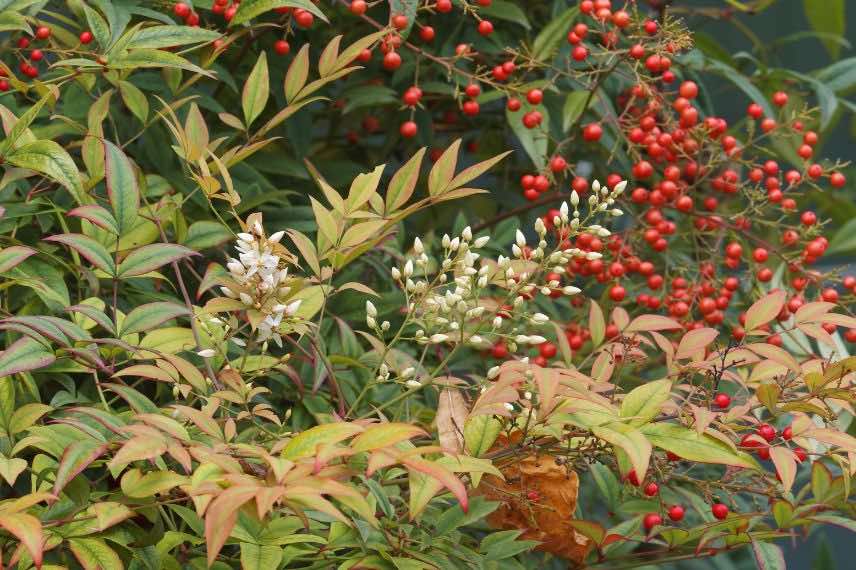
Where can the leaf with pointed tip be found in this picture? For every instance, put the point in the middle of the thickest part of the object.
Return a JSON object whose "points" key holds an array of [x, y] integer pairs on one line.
{"points": [[150, 257], [249, 9], [403, 182], [385, 435], [121, 187], [652, 323], [94, 554], [171, 35], [768, 556], [90, 249], [76, 457], [471, 173], [50, 159], [27, 529], [256, 90], [23, 355], [764, 310], [443, 171], [221, 515], [149, 316], [145, 58], [11, 257], [97, 215]]}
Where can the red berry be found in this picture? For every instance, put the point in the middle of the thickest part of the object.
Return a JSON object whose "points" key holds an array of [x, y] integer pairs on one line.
{"points": [[426, 33], [399, 21], [534, 96], [485, 28], [37, 55], [470, 108], [499, 350], [837, 180], [43, 32], [281, 47], [443, 6], [303, 18], [652, 489], [358, 7], [760, 255], [579, 53], [513, 105], [787, 433], [391, 60], [722, 400], [558, 164], [592, 132], [181, 9], [86, 37], [617, 293], [4, 85], [780, 98], [719, 510], [633, 478], [767, 431], [688, 89], [651, 520], [548, 350], [676, 512], [408, 129]]}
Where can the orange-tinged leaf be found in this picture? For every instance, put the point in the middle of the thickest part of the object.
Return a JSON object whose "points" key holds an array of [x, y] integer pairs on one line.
{"points": [[221, 515], [764, 310], [76, 457], [450, 418], [776, 354], [385, 435], [652, 323], [95, 554], [27, 529], [306, 443], [811, 312], [695, 341], [442, 475], [629, 440], [139, 448], [832, 437], [786, 465], [443, 171]]}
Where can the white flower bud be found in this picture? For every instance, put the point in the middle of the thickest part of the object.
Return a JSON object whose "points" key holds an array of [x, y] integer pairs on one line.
{"points": [[476, 339], [292, 307], [371, 322], [592, 255], [619, 188], [595, 186], [493, 372], [246, 299], [527, 395], [540, 228], [228, 292], [396, 274], [467, 234], [570, 290], [413, 383], [207, 352], [535, 339], [407, 372], [520, 239], [515, 249], [276, 237], [417, 246], [616, 212], [446, 241], [384, 326], [371, 310], [438, 338], [509, 407], [497, 322], [408, 268], [454, 244], [481, 242]]}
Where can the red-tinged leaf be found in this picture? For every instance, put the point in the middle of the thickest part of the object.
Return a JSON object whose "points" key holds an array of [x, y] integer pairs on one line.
{"points": [[694, 342], [201, 420], [110, 514], [121, 187], [811, 312], [298, 71], [843, 522], [151, 257], [776, 354], [76, 457], [27, 529], [145, 371], [306, 443], [151, 315], [23, 355], [597, 323], [832, 437], [643, 403], [764, 310], [97, 315], [11, 257], [444, 169], [137, 485], [138, 449], [443, 476], [90, 249], [221, 515], [403, 182], [97, 215], [768, 556], [384, 435], [817, 331], [786, 465], [652, 323], [840, 320]]}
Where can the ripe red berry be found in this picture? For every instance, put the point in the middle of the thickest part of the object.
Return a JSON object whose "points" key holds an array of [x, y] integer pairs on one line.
{"points": [[836, 179], [303, 18], [676, 512], [652, 489], [688, 89], [426, 33], [617, 293], [499, 350], [651, 520], [534, 96], [760, 255], [181, 9], [719, 510], [470, 108], [391, 60], [281, 47], [722, 400], [4, 85], [408, 129], [485, 27], [443, 6], [43, 32], [548, 350], [650, 27], [37, 55], [558, 164], [787, 433], [780, 98], [592, 132], [86, 37], [767, 431], [358, 7], [808, 218], [399, 21], [579, 53]]}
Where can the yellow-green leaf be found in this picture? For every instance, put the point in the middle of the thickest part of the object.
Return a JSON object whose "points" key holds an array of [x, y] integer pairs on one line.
{"points": [[256, 90]]}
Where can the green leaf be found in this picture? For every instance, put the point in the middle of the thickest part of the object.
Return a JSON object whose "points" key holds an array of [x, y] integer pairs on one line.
{"points": [[98, 26], [844, 240], [368, 96], [534, 141], [840, 77], [145, 58], [473, 172], [22, 124], [150, 257], [11, 21], [480, 433], [168, 36], [828, 17], [206, 233], [260, 557], [553, 34], [630, 441], [149, 316], [11, 257], [93, 251], [135, 100], [688, 444], [23, 355], [768, 556], [836, 520], [742, 83], [298, 71], [575, 105], [94, 554], [256, 90], [121, 187], [249, 9], [49, 158], [504, 10], [406, 8], [76, 457], [642, 404]]}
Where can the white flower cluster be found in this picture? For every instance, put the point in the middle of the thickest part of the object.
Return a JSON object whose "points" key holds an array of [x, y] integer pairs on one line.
{"points": [[261, 275]]}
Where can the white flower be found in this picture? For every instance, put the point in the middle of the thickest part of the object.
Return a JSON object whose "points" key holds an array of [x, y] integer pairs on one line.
{"points": [[535, 339], [396, 274], [446, 241], [408, 268], [292, 307], [467, 234], [619, 188], [277, 236], [371, 310], [570, 290], [407, 372], [207, 352]]}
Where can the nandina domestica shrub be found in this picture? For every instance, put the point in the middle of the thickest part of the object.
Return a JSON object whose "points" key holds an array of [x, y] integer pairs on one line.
{"points": [[416, 284]]}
